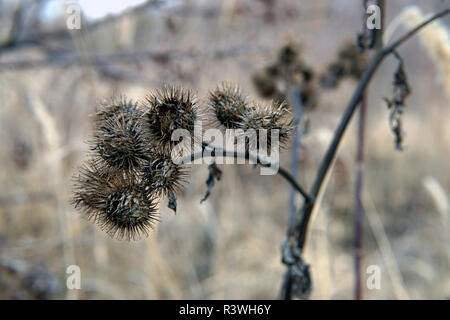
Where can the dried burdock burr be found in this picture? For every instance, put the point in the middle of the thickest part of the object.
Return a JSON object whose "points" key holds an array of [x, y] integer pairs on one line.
{"points": [[354, 62], [288, 72], [118, 139], [167, 110], [269, 117], [162, 176], [349, 63], [289, 53], [115, 106], [227, 105], [118, 204]]}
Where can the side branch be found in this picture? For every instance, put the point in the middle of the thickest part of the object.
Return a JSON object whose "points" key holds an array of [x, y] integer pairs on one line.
{"points": [[215, 152]]}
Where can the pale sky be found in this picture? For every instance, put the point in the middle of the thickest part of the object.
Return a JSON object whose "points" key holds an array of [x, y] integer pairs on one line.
{"points": [[95, 9]]}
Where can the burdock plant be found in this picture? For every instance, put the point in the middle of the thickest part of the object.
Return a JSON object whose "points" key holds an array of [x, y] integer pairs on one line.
{"points": [[119, 140], [167, 110], [162, 176], [269, 117], [117, 203], [130, 166], [227, 105], [124, 204]]}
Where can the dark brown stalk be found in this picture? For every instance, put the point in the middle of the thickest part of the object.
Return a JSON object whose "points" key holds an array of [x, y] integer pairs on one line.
{"points": [[215, 151], [377, 41], [359, 209]]}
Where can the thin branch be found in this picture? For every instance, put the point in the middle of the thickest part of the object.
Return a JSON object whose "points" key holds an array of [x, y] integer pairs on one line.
{"points": [[65, 33], [215, 152], [100, 60], [359, 209], [408, 35], [285, 174], [376, 36]]}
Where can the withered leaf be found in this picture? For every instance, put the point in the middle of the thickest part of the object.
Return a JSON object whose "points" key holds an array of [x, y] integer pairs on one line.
{"points": [[173, 202], [214, 174]]}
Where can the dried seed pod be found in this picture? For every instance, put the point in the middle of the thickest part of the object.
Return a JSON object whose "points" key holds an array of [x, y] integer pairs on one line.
{"points": [[349, 63], [167, 110], [117, 106], [114, 202], [273, 70], [354, 62], [289, 53], [118, 140], [227, 104], [162, 176], [287, 72], [269, 117]]}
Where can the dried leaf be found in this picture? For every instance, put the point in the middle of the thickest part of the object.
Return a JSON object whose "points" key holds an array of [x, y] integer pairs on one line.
{"points": [[214, 174], [401, 91], [173, 202]]}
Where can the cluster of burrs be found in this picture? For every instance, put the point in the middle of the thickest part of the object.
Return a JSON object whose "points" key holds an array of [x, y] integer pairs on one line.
{"points": [[130, 168], [350, 63], [286, 72]]}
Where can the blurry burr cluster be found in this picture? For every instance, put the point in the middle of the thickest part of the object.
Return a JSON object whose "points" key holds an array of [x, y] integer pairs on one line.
{"points": [[288, 72], [350, 63], [129, 168]]}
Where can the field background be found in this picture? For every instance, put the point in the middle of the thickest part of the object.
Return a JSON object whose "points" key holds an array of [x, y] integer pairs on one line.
{"points": [[229, 246]]}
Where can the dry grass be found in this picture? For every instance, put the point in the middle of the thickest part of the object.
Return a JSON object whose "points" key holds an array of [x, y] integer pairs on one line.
{"points": [[229, 246]]}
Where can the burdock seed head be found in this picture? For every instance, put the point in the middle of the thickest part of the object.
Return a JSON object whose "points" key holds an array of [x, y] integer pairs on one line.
{"points": [[118, 139], [289, 53], [115, 106], [269, 117], [167, 110], [162, 176], [117, 204], [228, 105]]}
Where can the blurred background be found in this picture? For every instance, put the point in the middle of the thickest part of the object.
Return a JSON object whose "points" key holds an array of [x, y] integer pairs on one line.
{"points": [[52, 79]]}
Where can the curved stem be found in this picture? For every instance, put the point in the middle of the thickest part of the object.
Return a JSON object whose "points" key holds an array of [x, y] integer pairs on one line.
{"points": [[215, 151]]}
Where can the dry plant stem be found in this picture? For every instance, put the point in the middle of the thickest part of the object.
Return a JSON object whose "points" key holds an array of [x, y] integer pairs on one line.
{"points": [[376, 40], [224, 153], [102, 60], [359, 209], [63, 33], [301, 228]]}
